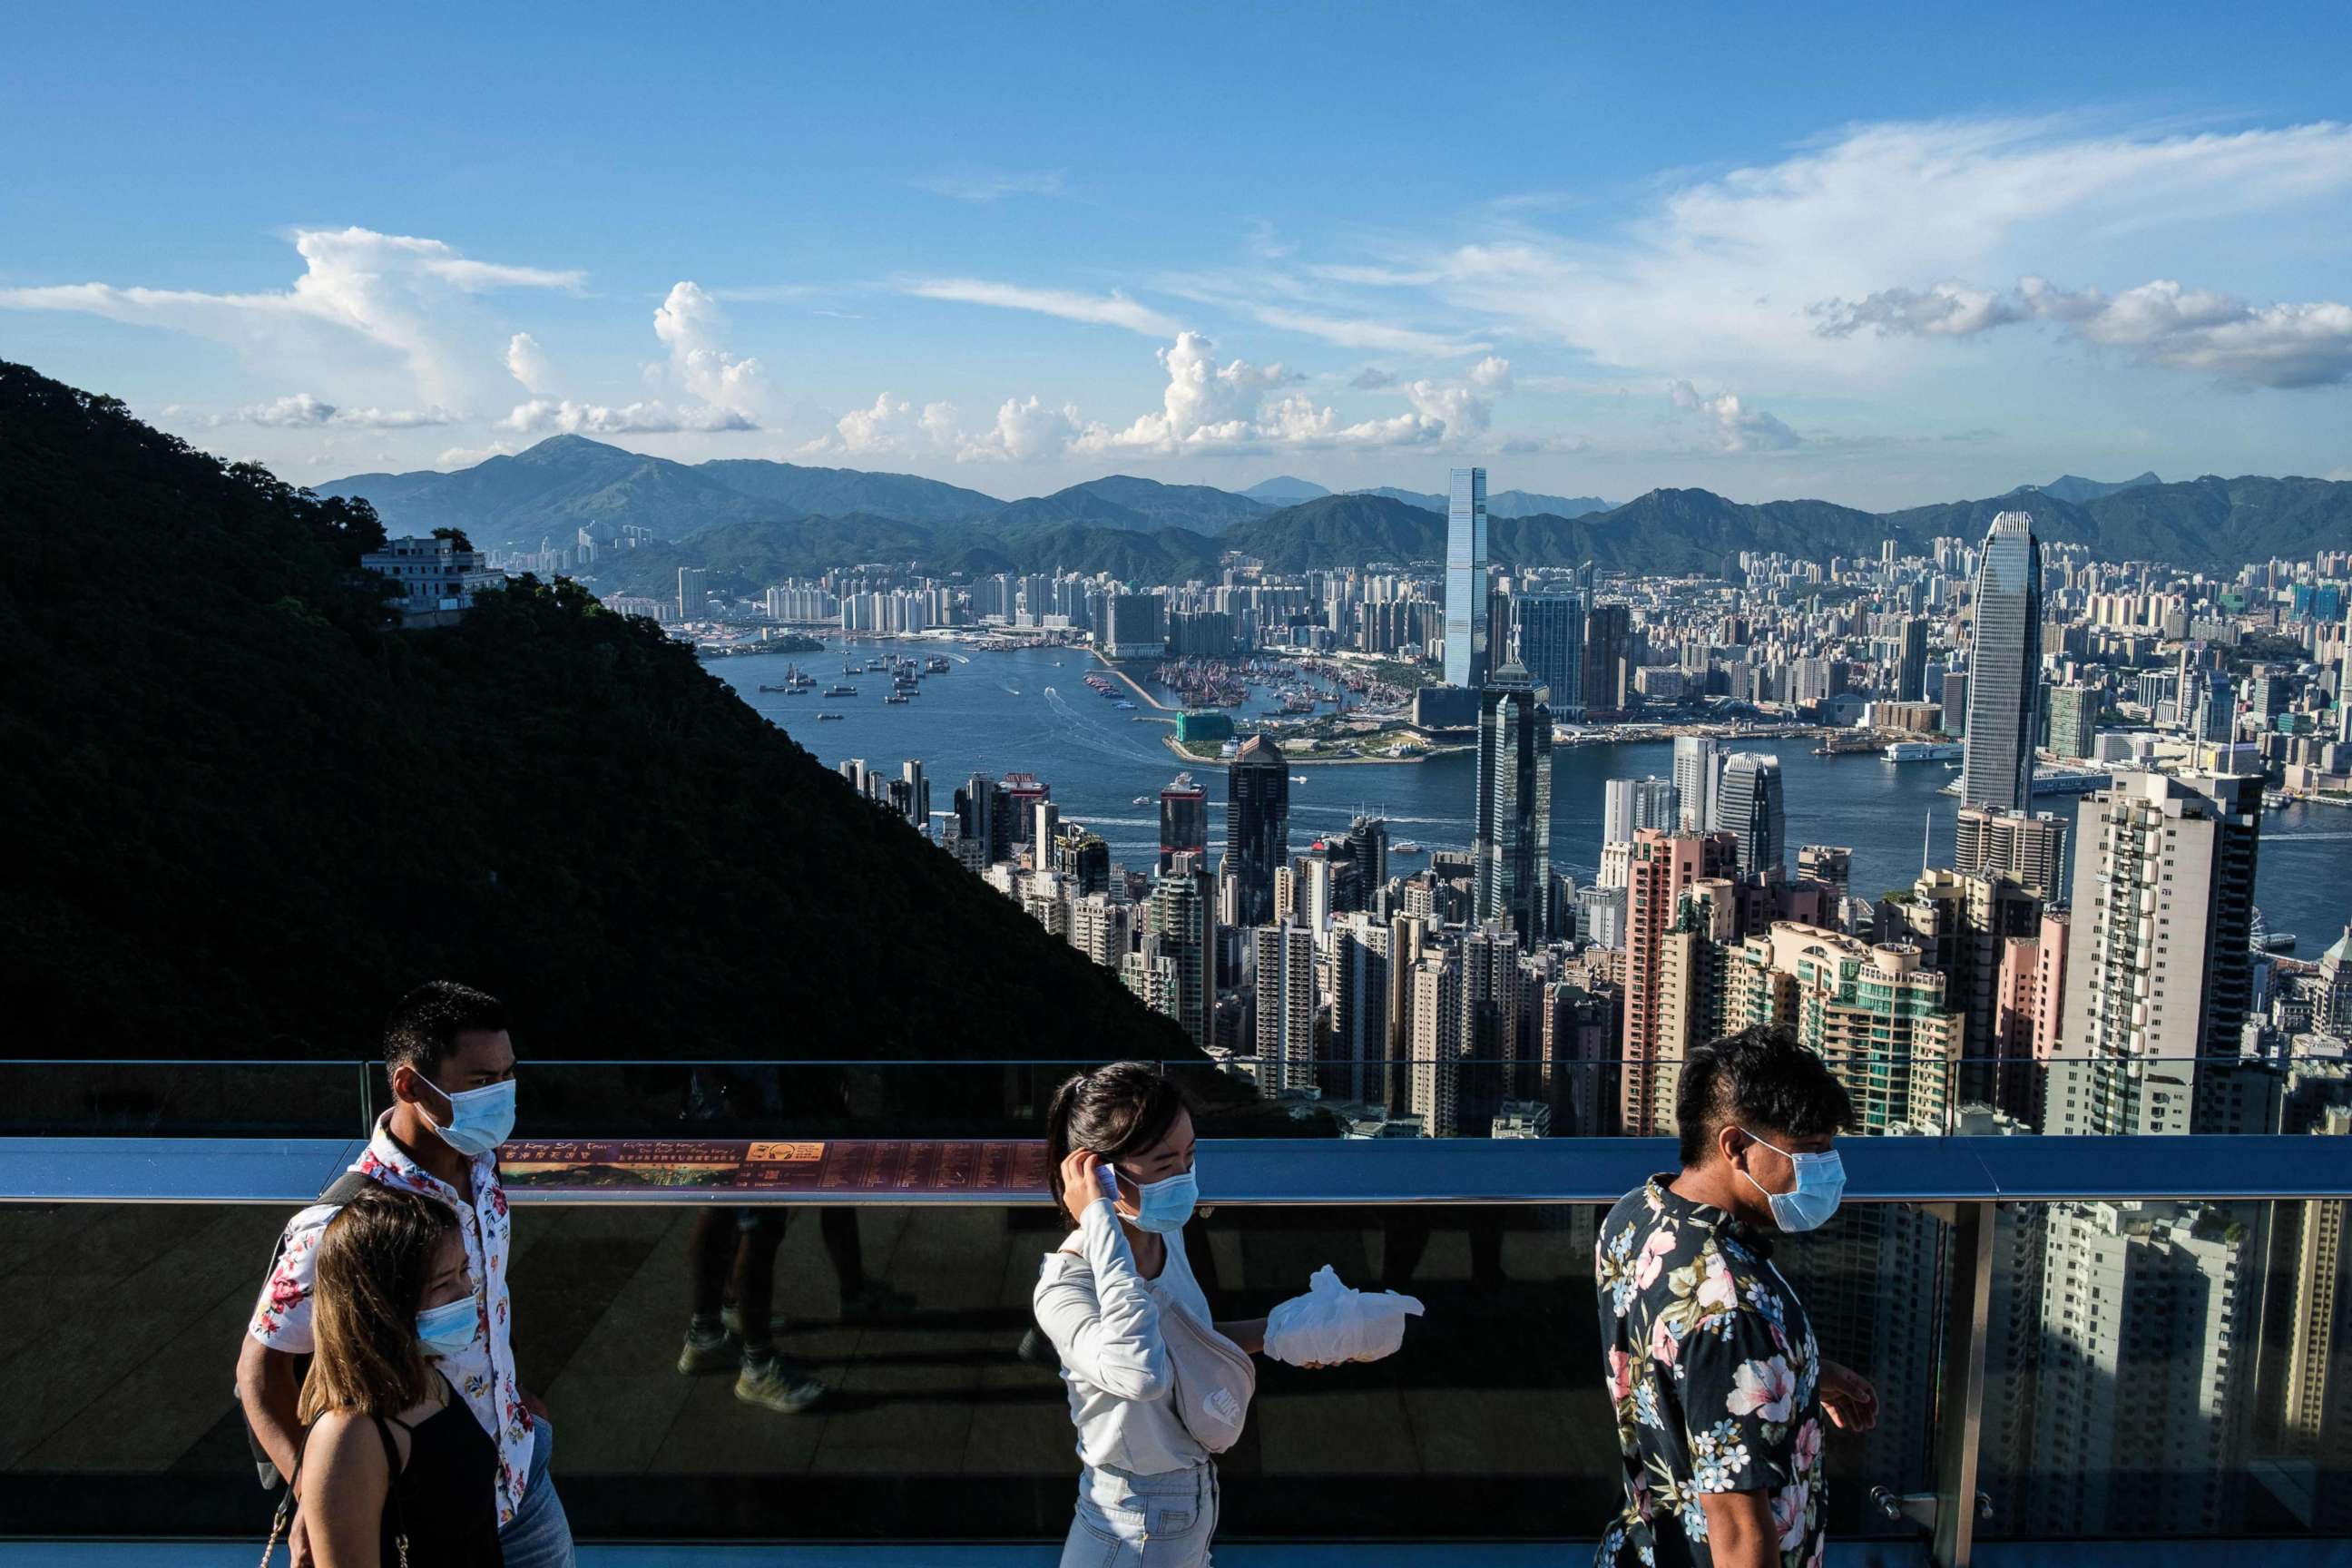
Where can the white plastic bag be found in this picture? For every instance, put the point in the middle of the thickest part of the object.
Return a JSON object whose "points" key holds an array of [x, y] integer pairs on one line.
{"points": [[1333, 1323]]}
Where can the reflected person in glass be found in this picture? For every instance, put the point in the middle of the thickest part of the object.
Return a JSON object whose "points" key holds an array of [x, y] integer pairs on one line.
{"points": [[1718, 1385], [1119, 1147]]}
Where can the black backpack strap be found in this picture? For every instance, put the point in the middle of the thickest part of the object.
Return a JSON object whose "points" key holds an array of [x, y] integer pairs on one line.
{"points": [[338, 1192]]}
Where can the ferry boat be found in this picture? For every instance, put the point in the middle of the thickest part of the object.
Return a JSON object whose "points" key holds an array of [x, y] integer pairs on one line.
{"points": [[936, 664], [1407, 848], [1921, 751], [895, 697], [1140, 800], [841, 691], [832, 716], [2058, 781]]}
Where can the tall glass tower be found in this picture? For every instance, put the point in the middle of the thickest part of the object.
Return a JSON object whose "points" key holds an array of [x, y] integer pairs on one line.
{"points": [[1257, 825], [1513, 850], [1997, 765], [1465, 580], [1550, 631], [1747, 806]]}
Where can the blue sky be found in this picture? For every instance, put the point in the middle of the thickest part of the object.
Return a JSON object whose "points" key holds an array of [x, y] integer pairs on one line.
{"points": [[1882, 255]]}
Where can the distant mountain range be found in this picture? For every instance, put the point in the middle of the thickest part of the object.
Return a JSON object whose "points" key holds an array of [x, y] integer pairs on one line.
{"points": [[1501, 503], [2077, 490], [755, 522]]}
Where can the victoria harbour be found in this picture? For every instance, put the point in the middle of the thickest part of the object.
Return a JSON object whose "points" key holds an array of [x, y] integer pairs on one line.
{"points": [[1029, 710]]}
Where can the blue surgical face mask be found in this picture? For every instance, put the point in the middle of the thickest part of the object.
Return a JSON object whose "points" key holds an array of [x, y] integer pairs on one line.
{"points": [[1164, 1207], [480, 1119], [449, 1329], [1821, 1183]]}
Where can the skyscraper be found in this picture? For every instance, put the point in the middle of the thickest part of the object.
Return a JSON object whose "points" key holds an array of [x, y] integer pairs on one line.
{"points": [[2005, 667], [1749, 808], [2029, 848], [1697, 766], [1662, 871], [1630, 803], [1911, 674], [1183, 820], [2073, 721], [1258, 826], [1368, 845], [1180, 925], [1287, 996], [1465, 580], [1608, 654], [1552, 645], [1513, 848], [1363, 1008], [2159, 972]]}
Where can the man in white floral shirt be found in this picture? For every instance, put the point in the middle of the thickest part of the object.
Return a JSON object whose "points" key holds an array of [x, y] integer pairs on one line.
{"points": [[451, 1071], [1718, 1385]]}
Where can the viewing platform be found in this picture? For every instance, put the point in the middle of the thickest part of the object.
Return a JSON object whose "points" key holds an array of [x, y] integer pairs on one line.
{"points": [[2020, 1423]]}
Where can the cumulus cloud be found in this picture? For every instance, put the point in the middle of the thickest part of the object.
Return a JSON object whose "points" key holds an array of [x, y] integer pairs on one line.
{"points": [[400, 294], [527, 363], [1113, 309], [1492, 374], [690, 323], [2280, 345], [1456, 409], [1740, 427], [1024, 429], [564, 416], [466, 457]]}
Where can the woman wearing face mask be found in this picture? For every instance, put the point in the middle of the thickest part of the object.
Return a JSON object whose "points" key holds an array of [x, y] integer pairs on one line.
{"points": [[1120, 1150], [394, 1471]]}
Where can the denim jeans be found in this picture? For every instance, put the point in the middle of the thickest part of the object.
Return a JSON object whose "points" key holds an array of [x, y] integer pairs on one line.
{"points": [[1140, 1521], [539, 1536]]}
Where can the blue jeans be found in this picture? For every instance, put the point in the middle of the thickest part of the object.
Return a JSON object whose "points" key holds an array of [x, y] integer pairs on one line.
{"points": [[539, 1536], [1140, 1521]]}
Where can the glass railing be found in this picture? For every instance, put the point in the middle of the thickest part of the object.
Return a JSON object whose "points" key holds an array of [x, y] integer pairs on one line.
{"points": [[2159, 1356], [1235, 1096]]}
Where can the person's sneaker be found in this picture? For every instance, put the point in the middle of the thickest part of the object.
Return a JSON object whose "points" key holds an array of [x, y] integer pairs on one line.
{"points": [[777, 1385], [874, 1299], [709, 1349]]}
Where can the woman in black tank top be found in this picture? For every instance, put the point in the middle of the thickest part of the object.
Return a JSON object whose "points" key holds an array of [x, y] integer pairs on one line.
{"points": [[396, 1471]]}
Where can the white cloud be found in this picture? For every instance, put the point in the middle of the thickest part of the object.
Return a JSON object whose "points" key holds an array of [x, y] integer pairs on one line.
{"points": [[1112, 310], [1023, 430], [992, 187], [2280, 345], [1740, 427], [1373, 378], [1492, 374], [400, 293], [1458, 409], [466, 457], [690, 322], [1529, 445], [1718, 273], [301, 410], [1353, 332], [527, 363], [544, 416]]}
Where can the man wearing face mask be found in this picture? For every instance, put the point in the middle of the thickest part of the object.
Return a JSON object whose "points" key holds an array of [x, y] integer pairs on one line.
{"points": [[1719, 1387], [451, 1070]]}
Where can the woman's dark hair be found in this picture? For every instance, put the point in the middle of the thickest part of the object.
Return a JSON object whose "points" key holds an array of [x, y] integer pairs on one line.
{"points": [[1113, 1110], [1762, 1077]]}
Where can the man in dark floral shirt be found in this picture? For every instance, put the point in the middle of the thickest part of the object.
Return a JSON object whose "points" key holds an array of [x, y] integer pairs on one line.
{"points": [[1718, 1385]]}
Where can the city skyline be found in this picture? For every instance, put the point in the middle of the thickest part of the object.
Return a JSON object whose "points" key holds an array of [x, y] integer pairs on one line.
{"points": [[1924, 293]]}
